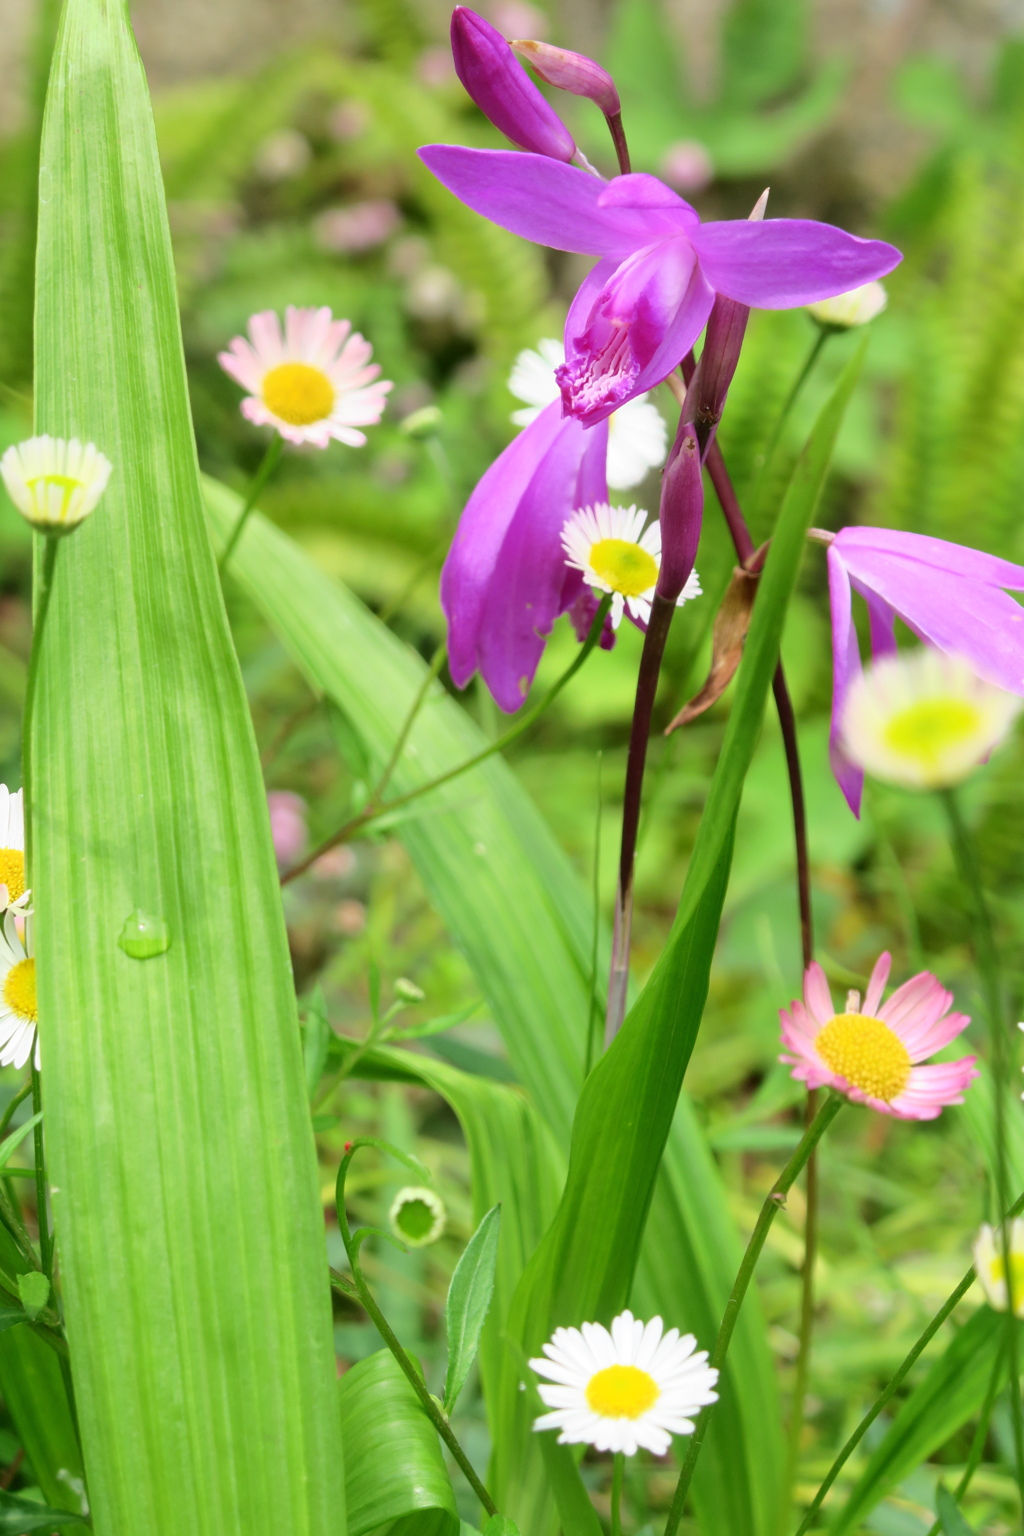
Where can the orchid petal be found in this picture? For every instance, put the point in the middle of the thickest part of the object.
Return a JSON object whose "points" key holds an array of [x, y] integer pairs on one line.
{"points": [[782, 263], [546, 201], [845, 666], [863, 548]]}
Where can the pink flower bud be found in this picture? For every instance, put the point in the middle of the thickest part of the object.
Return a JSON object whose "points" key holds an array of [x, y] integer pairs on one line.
{"points": [[503, 91], [570, 72], [682, 513]]}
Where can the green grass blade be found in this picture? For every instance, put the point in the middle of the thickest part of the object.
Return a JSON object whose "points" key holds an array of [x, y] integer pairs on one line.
{"points": [[18, 1516], [951, 1521], [395, 1473], [178, 1134]]}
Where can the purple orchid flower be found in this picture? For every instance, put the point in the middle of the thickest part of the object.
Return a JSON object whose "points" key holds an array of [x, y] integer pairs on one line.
{"points": [[646, 301], [951, 597], [505, 580], [501, 88]]}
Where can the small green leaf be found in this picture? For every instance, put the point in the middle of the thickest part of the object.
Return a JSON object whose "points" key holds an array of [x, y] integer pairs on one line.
{"points": [[500, 1525], [18, 1516], [34, 1290], [951, 1521], [469, 1297], [17, 1137], [317, 1038], [436, 1026]]}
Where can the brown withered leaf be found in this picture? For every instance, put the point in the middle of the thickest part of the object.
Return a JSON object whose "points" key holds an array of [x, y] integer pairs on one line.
{"points": [[730, 632]]}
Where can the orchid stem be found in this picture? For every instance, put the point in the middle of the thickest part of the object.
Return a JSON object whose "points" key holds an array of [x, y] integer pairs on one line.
{"points": [[986, 955], [372, 812], [662, 610], [267, 466], [774, 1201], [618, 133]]}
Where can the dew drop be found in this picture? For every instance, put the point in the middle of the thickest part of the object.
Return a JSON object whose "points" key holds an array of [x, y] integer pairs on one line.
{"points": [[144, 935]]}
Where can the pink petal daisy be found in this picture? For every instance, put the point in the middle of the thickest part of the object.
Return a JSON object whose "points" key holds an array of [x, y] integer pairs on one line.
{"points": [[872, 1053], [312, 384]]}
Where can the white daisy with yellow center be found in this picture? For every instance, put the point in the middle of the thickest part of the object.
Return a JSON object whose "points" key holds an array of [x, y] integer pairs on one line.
{"points": [[13, 894], [637, 435], [53, 483], [617, 554], [924, 719], [617, 1391], [18, 1012], [990, 1266], [858, 307], [312, 383]]}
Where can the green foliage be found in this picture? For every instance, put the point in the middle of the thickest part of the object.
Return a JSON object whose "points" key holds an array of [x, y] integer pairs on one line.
{"points": [[190, 1236], [18, 1516], [469, 1300]]}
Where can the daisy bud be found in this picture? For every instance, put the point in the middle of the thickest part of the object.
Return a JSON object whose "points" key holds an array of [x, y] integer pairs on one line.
{"points": [[682, 512], [408, 992], [417, 1216], [846, 310], [53, 483], [503, 91], [570, 72], [990, 1266]]}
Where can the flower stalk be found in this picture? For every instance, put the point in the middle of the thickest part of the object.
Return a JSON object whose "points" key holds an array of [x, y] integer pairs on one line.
{"points": [[268, 465]]}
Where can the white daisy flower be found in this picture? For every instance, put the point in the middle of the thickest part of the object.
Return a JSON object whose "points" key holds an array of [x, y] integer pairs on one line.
{"points": [[924, 719], [417, 1216], [618, 1391], [617, 554], [53, 483], [990, 1266], [312, 384], [13, 894], [637, 435], [18, 1013]]}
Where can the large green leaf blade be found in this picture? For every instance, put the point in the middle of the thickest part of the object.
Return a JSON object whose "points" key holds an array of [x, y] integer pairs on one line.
{"points": [[182, 1160]]}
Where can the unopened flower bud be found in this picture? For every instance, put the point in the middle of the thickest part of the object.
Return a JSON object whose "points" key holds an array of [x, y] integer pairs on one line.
{"points": [[681, 515], [407, 991], [570, 72], [847, 310], [503, 91], [723, 342], [55, 484], [417, 1216]]}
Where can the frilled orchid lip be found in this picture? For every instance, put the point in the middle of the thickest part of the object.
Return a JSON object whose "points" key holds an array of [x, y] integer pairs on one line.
{"points": [[644, 306]]}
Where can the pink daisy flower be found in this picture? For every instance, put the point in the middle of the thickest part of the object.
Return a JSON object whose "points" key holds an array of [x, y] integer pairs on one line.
{"points": [[312, 384], [871, 1053]]}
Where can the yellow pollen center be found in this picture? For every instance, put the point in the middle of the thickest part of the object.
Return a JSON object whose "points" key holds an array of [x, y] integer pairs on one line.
{"points": [[925, 731], [867, 1053], [624, 567], [12, 872], [622, 1392], [997, 1270], [67, 483], [298, 393], [20, 989]]}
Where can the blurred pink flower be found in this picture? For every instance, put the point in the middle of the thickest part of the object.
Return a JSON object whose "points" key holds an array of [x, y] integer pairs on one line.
{"points": [[350, 917], [312, 384], [348, 120], [687, 166], [335, 864], [359, 227], [435, 69], [287, 825], [517, 18], [873, 1056]]}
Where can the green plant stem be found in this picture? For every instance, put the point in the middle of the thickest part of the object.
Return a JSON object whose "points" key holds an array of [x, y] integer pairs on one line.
{"points": [[810, 363], [372, 812], [436, 663], [987, 958], [9, 1112], [978, 1440], [803, 1359], [42, 1217], [893, 1386], [618, 1473], [42, 608], [593, 1012], [269, 463], [774, 1202]]}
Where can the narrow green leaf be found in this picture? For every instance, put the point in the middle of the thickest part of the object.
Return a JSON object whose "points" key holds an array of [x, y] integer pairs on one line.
{"points": [[500, 1525], [394, 1471], [10, 1317], [316, 1038], [19, 1516], [15, 1139], [184, 1178], [34, 1290], [950, 1394], [951, 1521], [469, 1299]]}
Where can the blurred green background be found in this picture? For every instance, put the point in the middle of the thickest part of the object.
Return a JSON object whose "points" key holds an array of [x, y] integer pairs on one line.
{"points": [[288, 135]]}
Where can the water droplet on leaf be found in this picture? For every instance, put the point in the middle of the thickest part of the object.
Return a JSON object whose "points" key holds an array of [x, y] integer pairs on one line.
{"points": [[144, 935]]}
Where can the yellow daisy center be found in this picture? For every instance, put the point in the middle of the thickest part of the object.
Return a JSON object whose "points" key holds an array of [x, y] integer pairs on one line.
{"points": [[997, 1270], [299, 393], [867, 1053], [20, 990], [623, 566], [927, 730], [622, 1392], [12, 872], [66, 483]]}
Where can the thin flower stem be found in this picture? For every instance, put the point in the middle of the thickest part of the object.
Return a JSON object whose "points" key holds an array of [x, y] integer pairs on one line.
{"points": [[618, 1473], [269, 463], [893, 1386], [9, 1112], [436, 663], [42, 608], [372, 812], [987, 957], [801, 379], [774, 1201], [42, 1218], [978, 1441], [593, 1012], [618, 133], [662, 611]]}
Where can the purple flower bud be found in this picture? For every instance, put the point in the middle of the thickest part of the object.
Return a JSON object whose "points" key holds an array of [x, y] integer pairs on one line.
{"points": [[570, 72], [503, 91], [723, 341], [682, 512]]}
